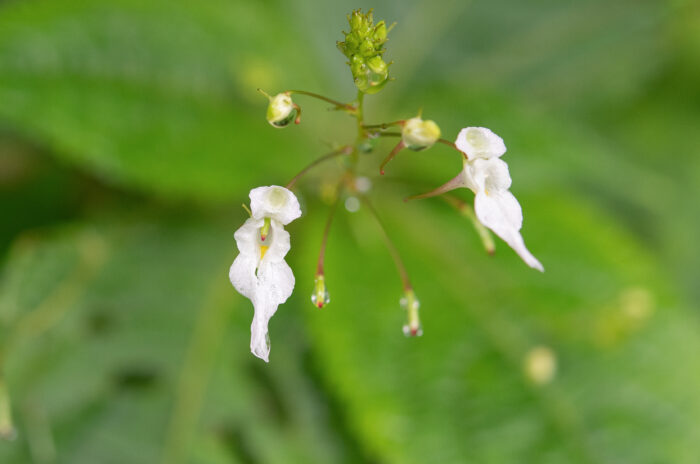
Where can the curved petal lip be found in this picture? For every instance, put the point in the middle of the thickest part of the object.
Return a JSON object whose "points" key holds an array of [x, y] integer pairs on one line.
{"points": [[480, 142], [502, 214], [275, 202]]}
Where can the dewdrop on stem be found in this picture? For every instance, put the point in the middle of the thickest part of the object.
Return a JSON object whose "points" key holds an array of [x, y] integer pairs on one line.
{"points": [[410, 303], [320, 296]]}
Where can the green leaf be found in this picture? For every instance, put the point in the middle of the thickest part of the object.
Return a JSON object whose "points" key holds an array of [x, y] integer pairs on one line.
{"points": [[153, 95]]}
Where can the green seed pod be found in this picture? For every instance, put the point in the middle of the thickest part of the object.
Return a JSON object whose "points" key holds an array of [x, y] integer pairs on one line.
{"points": [[356, 20]]}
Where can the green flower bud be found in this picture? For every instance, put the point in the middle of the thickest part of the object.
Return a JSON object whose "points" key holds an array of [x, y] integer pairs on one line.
{"points": [[281, 110], [380, 32], [378, 66], [352, 41], [356, 20], [366, 47], [357, 65], [418, 134]]}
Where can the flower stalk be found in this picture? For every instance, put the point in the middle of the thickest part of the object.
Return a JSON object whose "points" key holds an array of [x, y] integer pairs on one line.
{"points": [[338, 105], [345, 150], [320, 296], [467, 211], [260, 272], [393, 251]]}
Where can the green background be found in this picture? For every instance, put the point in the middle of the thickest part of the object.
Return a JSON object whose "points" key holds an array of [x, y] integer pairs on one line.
{"points": [[131, 132]]}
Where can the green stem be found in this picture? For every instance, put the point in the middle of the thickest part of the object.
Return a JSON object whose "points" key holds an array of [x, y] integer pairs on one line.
{"points": [[400, 267], [359, 114], [346, 150], [345, 106], [467, 211], [452, 145], [384, 125], [388, 134], [327, 229]]}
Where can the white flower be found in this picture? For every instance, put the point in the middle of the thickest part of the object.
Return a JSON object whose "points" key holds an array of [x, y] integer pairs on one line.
{"points": [[487, 176], [259, 272]]}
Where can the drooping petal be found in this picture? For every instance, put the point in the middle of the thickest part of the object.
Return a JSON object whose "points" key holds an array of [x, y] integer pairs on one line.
{"points": [[480, 142], [501, 212], [259, 335], [275, 285], [275, 202], [276, 282]]}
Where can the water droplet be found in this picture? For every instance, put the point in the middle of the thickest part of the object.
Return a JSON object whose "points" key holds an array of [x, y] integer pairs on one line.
{"points": [[352, 204], [412, 332], [363, 184], [326, 299]]}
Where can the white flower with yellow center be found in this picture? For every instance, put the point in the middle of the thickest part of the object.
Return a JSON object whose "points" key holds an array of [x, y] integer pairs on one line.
{"points": [[487, 176], [259, 272]]}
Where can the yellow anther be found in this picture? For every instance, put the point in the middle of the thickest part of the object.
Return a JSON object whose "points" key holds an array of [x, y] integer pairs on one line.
{"points": [[263, 250]]}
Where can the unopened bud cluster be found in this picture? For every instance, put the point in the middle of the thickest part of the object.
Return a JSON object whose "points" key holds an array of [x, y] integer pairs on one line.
{"points": [[364, 47]]}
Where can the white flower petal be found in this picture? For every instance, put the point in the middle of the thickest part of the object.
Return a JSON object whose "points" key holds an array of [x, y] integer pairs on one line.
{"points": [[276, 282], [275, 285], [275, 202], [242, 275], [259, 336], [247, 237], [501, 212], [487, 174], [480, 142], [277, 242]]}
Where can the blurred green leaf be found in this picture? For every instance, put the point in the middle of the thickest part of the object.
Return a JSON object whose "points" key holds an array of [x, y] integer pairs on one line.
{"points": [[626, 352], [121, 343], [156, 95]]}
